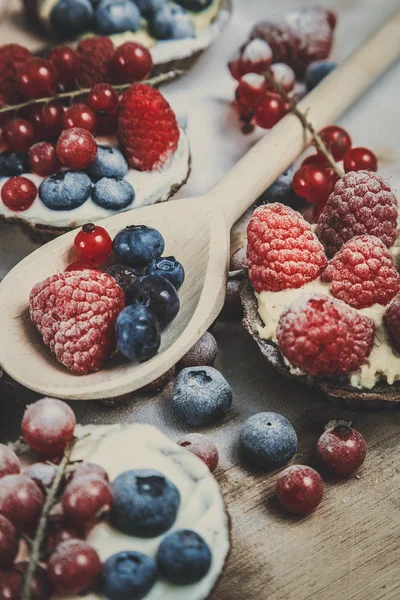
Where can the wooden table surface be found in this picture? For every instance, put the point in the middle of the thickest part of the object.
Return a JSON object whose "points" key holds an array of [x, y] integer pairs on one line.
{"points": [[350, 546]]}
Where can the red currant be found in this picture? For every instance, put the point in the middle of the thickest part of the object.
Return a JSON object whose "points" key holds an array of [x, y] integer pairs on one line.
{"points": [[270, 110], [58, 531], [6, 115], [52, 115], [73, 567], [18, 193], [103, 99], [337, 140], [9, 542], [36, 119], [80, 115], [299, 489], [9, 462], [18, 135], [251, 89], [42, 474], [76, 148], [36, 78], [93, 243], [48, 426], [317, 160], [235, 69], [131, 62], [284, 75], [360, 159], [85, 497], [312, 183], [67, 65], [81, 265], [12, 582], [341, 450], [43, 159], [88, 468], [203, 447], [21, 501], [256, 57]]}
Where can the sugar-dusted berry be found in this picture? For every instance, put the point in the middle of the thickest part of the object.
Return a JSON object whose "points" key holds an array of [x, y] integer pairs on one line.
{"points": [[299, 489], [341, 450]]}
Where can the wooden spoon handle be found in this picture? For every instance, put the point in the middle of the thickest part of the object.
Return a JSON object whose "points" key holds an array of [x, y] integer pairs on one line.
{"points": [[261, 166]]}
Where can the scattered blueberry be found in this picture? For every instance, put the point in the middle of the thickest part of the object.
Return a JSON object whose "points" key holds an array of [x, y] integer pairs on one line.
{"points": [[316, 72], [145, 503], [281, 190], [171, 22], [268, 440], [138, 333], [113, 194], [168, 267], [70, 18], [201, 396], [158, 295], [13, 163], [183, 557], [109, 162], [128, 575], [125, 276], [138, 245], [116, 16], [195, 5], [65, 190], [149, 7]]}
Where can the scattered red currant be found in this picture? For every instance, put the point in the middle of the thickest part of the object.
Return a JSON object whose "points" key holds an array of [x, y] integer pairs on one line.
{"points": [[270, 110], [131, 62], [103, 99], [201, 446], [85, 497], [18, 135], [9, 462], [18, 193], [8, 542], [360, 159], [80, 115], [21, 501], [67, 65], [93, 244], [284, 75], [58, 531], [341, 450], [76, 148], [88, 468], [73, 567], [52, 115], [36, 78], [299, 489], [42, 474], [43, 159], [48, 426], [81, 265], [312, 183], [337, 140], [250, 89]]}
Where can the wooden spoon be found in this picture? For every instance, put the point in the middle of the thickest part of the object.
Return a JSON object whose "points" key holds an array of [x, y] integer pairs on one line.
{"points": [[196, 231]]}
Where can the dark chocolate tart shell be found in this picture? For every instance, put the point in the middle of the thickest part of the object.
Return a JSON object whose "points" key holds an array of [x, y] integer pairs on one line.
{"points": [[381, 397]]}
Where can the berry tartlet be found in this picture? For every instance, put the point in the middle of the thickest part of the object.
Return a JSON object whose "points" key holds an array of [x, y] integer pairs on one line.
{"points": [[176, 32], [322, 302]]}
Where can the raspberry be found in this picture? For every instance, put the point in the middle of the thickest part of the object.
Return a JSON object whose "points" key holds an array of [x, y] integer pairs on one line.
{"points": [[95, 54], [282, 250], [392, 321], [299, 37], [75, 312], [147, 128], [363, 273], [324, 336], [361, 203], [10, 56]]}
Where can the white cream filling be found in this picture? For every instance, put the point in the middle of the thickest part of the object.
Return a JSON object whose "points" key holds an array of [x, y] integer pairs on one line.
{"points": [[119, 448], [149, 186], [382, 364]]}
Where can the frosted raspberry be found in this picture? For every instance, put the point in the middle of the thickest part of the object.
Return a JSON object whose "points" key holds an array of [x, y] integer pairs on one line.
{"points": [[11, 55], [324, 336], [282, 250], [392, 322], [95, 54], [363, 273], [75, 312], [360, 203]]}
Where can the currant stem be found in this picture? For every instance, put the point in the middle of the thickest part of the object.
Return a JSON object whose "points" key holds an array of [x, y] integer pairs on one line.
{"points": [[318, 142], [153, 82]]}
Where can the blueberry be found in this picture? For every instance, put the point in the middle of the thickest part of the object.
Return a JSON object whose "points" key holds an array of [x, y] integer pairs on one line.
{"points": [[316, 72], [113, 194], [281, 190], [109, 162], [183, 557], [138, 333], [145, 503], [70, 18], [138, 245], [116, 16], [158, 295], [201, 396], [268, 440], [13, 163], [168, 267], [171, 22], [128, 575], [149, 7], [125, 276], [195, 5], [66, 190]]}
